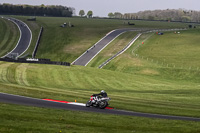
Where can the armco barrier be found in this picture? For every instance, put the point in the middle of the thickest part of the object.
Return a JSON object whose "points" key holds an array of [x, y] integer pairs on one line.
{"points": [[39, 61], [37, 43]]}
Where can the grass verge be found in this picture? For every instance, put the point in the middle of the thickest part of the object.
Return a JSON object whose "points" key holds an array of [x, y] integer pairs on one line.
{"points": [[23, 119]]}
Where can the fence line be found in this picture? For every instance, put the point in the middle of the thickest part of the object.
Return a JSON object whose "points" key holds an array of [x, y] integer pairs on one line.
{"points": [[164, 64]]}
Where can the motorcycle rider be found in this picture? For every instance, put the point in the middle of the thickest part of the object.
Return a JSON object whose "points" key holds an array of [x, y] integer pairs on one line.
{"points": [[102, 94], [99, 100]]}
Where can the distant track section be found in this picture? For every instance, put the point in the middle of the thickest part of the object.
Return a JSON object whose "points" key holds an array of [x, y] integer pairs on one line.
{"points": [[21, 100], [24, 40], [132, 41], [122, 51], [88, 55]]}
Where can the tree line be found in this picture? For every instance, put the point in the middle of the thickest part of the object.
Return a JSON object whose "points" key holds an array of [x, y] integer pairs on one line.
{"points": [[89, 13], [42, 10], [168, 15]]}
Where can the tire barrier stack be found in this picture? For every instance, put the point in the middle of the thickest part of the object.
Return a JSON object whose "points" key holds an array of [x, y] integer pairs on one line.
{"points": [[36, 61], [37, 43]]}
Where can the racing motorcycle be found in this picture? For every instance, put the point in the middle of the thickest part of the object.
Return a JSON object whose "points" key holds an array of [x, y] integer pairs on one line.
{"points": [[97, 101]]}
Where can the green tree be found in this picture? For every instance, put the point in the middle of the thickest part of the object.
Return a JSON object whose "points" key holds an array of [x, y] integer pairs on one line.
{"points": [[111, 15], [81, 13], [89, 14]]}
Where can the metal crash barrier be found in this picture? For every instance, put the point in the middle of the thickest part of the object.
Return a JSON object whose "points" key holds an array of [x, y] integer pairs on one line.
{"points": [[36, 61]]}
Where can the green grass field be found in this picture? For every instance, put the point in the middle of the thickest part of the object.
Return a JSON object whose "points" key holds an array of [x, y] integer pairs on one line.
{"points": [[135, 92], [9, 35], [172, 56], [181, 50], [15, 119], [133, 82], [130, 92]]}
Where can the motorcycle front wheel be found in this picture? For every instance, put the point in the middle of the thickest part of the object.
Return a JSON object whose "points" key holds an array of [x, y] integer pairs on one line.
{"points": [[88, 104]]}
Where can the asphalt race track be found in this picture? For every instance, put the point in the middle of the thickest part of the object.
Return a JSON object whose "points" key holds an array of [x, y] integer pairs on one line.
{"points": [[25, 38], [14, 99], [87, 56]]}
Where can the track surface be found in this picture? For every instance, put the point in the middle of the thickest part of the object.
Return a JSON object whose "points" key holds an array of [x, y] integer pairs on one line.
{"points": [[87, 56], [14, 99], [25, 38]]}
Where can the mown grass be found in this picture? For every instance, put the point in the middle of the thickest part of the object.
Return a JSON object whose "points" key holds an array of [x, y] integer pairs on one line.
{"points": [[9, 35], [23, 119], [128, 91]]}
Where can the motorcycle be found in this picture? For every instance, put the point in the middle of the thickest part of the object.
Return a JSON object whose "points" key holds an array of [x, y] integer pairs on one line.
{"points": [[97, 101]]}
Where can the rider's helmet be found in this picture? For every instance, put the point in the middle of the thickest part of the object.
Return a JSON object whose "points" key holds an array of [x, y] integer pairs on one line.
{"points": [[102, 91]]}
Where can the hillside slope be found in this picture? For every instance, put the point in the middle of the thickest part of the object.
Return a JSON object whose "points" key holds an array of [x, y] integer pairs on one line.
{"points": [[67, 44], [9, 36]]}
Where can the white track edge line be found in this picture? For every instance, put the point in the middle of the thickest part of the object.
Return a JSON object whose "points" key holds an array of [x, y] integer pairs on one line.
{"points": [[93, 45], [103, 48], [20, 36]]}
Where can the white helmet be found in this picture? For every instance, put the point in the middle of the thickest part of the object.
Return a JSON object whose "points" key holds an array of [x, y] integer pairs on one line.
{"points": [[102, 91]]}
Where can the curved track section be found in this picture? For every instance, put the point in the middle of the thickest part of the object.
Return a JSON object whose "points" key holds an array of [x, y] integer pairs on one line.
{"points": [[88, 55], [122, 51], [24, 40], [14, 99]]}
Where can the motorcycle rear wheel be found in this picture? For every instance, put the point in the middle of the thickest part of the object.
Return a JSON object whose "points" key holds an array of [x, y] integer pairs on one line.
{"points": [[103, 104]]}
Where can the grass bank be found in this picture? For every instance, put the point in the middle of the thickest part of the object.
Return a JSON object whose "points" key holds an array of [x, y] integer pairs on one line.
{"points": [[179, 50], [171, 56], [9, 36]]}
